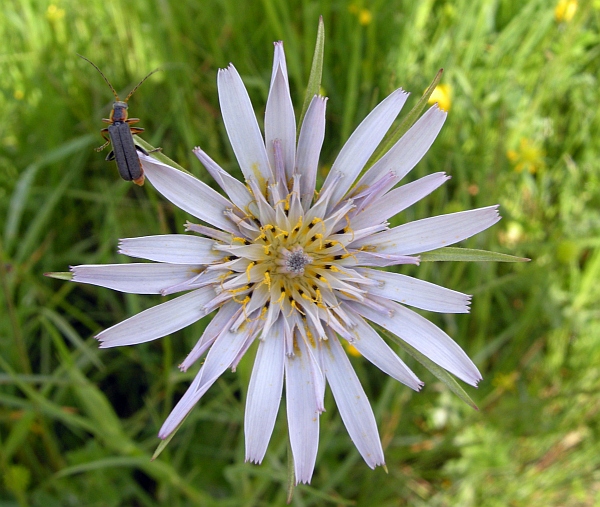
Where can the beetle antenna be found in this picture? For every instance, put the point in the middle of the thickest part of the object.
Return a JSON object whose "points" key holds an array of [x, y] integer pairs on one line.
{"points": [[140, 84], [102, 74]]}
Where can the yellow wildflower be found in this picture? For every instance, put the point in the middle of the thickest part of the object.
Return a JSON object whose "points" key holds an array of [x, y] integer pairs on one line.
{"points": [[565, 10], [351, 349], [53, 13], [365, 17], [442, 95], [528, 156]]}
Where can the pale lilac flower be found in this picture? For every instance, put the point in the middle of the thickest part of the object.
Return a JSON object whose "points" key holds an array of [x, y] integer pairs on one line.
{"points": [[296, 270]]}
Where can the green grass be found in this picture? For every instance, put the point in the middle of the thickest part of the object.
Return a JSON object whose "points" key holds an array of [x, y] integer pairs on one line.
{"points": [[78, 425]]}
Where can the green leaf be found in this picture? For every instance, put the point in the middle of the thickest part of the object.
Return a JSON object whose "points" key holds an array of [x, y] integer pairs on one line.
{"points": [[291, 475], [25, 182], [436, 370], [452, 253], [163, 444], [157, 154], [408, 121], [60, 275], [316, 71]]}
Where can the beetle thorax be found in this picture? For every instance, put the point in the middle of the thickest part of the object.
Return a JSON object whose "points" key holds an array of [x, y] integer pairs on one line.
{"points": [[119, 111]]}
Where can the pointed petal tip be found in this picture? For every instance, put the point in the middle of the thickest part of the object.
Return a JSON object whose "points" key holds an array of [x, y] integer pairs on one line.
{"points": [[67, 276]]}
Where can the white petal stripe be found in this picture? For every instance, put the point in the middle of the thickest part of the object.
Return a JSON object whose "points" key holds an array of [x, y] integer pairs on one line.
{"points": [[362, 143], [188, 193], [234, 188], [224, 318], [303, 418], [310, 142], [398, 200], [431, 233], [264, 395], [158, 321], [418, 293], [382, 260], [172, 248], [409, 150], [279, 62], [219, 358], [352, 402], [280, 123], [426, 337], [242, 127], [368, 342], [138, 278]]}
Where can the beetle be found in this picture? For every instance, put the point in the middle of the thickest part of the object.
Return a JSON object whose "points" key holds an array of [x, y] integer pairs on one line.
{"points": [[120, 133]]}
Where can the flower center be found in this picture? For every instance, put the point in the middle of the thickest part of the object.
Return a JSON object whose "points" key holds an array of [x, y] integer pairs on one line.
{"points": [[293, 261]]}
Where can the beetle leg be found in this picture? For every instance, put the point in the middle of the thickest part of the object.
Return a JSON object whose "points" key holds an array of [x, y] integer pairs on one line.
{"points": [[110, 156], [144, 151], [132, 120], [136, 130], [103, 132]]}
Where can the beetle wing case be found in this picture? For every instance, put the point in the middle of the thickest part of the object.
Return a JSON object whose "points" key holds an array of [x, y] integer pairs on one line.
{"points": [[125, 152]]}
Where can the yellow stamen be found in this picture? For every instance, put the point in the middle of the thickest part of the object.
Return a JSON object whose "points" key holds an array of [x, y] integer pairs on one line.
{"points": [[283, 233], [286, 203], [264, 230], [348, 228], [282, 297], [318, 236], [223, 277], [267, 280], [263, 312], [250, 266], [295, 307], [297, 226], [316, 221], [239, 289], [243, 302], [321, 278]]}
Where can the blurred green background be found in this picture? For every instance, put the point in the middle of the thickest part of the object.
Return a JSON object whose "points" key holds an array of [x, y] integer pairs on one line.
{"points": [[78, 425]]}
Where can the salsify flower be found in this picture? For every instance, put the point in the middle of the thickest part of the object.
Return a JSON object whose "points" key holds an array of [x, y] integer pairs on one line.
{"points": [[294, 269]]}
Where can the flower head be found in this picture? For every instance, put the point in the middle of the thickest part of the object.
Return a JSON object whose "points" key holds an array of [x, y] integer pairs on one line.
{"points": [[565, 10], [296, 270], [529, 156], [442, 96]]}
